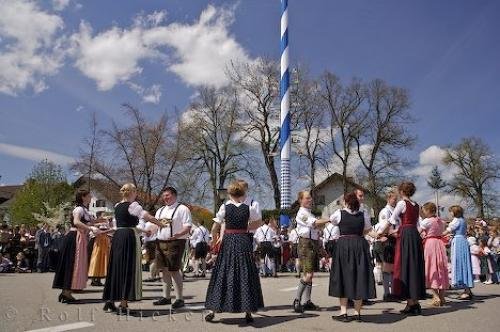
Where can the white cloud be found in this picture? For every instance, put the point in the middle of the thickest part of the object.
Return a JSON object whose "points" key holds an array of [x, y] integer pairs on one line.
{"points": [[428, 159], [30, 50], [34, 154], [202, 50], [199, 53], [59, 5], [149, 95], [110, 57]]}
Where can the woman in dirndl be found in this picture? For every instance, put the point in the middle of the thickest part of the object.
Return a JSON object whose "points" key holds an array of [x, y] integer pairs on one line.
{"points": [[98, 266], [72, 268], [435, 257], [409, 268], [351, 276], [124, 277], [461, 264], [235, 284]]}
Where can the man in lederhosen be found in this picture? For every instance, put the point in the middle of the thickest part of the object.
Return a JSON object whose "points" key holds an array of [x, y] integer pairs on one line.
{"points": [[170, 245], [264, 235]]}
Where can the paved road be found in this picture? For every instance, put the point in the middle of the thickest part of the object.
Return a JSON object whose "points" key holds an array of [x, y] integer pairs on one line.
{"points": [[27, 302]]}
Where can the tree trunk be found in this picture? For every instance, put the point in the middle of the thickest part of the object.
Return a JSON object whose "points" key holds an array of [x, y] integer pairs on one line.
{"points": [[480, 204], [344, 178], [437, 202], [274, 181]]}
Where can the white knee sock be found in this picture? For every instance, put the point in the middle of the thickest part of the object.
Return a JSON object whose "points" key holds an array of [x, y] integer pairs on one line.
{"points": [[177, 277], [196, 266]]}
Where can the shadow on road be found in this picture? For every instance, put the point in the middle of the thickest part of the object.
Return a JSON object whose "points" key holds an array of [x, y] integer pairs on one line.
{"points": [[262, 321]]}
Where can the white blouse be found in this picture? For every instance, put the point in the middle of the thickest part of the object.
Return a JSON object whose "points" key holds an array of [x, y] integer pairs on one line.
{"points": [[336, 218], [453, 225], [83, 214]]}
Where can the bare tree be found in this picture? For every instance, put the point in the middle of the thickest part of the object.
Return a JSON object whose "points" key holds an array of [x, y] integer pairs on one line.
{"points": [[144, 153], [311, 132], [259, 84], [213, 126], [343, 105], [477, 171], [383, 133]]}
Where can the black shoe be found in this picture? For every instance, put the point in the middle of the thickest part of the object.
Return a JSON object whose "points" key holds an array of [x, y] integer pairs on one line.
{"points": [[66, 299], [162, 301], [416, 310], [202, 275], [178, 304], [109, 307], [210, 317], [358, 318], [310, 306], [150, 280], [342, 318], [297, 307], [368, 302], [248, 318]]}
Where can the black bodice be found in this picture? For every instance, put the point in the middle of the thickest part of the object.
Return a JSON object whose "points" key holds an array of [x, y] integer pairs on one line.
{"points": [[123, 217], [351, 224], [237, 216]]}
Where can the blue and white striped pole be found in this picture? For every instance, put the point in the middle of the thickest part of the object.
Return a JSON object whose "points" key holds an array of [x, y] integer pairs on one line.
{"points": [[285, 117]]}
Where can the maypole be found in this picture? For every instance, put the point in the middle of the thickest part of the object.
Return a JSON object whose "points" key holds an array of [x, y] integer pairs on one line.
{"points": [[285, 117]]}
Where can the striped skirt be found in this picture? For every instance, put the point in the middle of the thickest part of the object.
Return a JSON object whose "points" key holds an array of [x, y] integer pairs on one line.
{"points": [[124, 278]]}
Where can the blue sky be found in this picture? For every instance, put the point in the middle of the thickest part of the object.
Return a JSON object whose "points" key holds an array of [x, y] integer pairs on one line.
{"points": [[446, 53]]}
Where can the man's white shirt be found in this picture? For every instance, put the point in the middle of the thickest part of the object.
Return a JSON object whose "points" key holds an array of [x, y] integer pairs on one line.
{"points": [[181, 219]]}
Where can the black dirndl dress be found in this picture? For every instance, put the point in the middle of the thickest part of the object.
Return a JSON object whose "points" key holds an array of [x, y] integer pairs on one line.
{"points": [[124, 278], [235, 285], [352, 273]]}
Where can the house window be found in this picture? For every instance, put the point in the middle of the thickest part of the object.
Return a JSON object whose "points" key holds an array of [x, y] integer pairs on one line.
{"points": [[320, 200], [100, 203]]}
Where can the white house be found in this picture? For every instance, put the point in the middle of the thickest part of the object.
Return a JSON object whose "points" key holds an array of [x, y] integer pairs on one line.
{"points": [[104, 194], [329, 194]]}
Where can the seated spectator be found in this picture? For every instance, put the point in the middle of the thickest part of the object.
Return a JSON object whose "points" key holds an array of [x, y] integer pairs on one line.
{"points": [[22, 265], [6, 265]]}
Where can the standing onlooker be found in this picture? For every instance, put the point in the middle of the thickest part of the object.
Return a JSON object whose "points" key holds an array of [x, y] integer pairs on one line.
{"points": [[485, 257], [44, 244], [475, 252], [199, 242], [264, 236]]}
